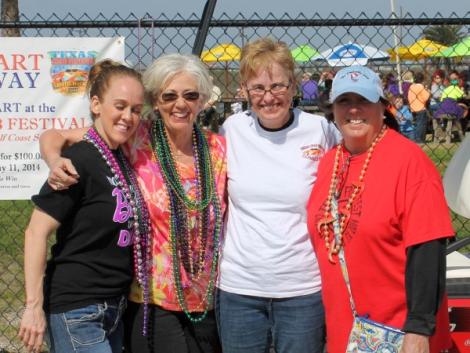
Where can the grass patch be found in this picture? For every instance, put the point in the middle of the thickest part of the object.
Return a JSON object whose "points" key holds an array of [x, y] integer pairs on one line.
{"points": [[14, 216], [441, 154]]}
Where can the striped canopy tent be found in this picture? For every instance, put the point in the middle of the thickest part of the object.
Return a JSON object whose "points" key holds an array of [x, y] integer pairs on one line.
{"points": [[351, 54], [422, 49]]}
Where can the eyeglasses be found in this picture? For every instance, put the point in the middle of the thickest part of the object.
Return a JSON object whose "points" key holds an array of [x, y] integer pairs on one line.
{"points": [[190, 96], [276, 89]]}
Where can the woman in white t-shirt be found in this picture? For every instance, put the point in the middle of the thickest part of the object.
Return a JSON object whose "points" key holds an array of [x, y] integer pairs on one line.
{"points": [[269, 281]]}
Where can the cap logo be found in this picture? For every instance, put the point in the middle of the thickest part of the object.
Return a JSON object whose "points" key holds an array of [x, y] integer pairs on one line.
{"points": [[360, 80], [355, 76]]}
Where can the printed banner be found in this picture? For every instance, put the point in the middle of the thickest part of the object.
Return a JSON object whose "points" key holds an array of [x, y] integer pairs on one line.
{"points": [[42, 86]]}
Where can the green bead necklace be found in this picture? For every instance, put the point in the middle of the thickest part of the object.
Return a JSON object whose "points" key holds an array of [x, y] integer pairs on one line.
{"points": [[164, 155], [206, 204]]}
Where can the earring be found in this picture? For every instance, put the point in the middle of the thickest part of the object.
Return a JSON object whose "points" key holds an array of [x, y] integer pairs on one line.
{"points": [[156, 113]]}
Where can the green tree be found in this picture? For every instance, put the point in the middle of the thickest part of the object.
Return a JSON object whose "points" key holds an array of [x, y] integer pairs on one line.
{"points": [[446, 35], [10, 12]]}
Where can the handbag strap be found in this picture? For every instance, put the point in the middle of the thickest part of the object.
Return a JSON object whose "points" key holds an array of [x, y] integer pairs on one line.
{"points": [[342, 259]]}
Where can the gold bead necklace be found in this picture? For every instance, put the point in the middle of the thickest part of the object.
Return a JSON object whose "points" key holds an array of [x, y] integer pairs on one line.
{"points": [[334, 245]]}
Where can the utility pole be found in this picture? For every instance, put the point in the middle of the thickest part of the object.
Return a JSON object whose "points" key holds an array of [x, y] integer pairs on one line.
{"points": [[395, 49], [203, 27]]}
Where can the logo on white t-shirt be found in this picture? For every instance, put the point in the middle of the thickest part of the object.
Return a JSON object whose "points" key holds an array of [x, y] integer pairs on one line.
{"points": [[313, 152]]}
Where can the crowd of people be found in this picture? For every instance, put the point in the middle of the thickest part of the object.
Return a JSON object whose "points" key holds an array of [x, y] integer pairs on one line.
{"points": [[179, 239], [434, 102], [432, 99], [437, 103]]}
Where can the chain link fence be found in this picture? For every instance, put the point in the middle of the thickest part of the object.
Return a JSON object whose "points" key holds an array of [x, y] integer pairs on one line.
{"points": [[311, 36]]}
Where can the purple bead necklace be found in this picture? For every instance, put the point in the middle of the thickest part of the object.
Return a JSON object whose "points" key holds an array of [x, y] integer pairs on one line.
{"points": [[126, 180]]}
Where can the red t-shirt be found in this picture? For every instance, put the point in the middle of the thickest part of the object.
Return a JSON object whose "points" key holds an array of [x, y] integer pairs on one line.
{"points": [[402, 204]]}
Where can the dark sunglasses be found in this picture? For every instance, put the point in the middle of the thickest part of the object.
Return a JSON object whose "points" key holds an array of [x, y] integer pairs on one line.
{"points": [[190, 96]]}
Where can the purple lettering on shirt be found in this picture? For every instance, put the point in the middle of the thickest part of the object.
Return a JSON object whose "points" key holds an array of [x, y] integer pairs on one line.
{"points": [[125, 238], [123, 210]]}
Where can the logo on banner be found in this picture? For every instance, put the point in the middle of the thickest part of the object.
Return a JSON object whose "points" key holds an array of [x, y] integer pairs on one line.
{"points": [[69, 70]]}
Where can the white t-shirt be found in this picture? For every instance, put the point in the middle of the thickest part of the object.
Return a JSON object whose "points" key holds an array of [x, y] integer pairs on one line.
{"points": [[266, 250]]}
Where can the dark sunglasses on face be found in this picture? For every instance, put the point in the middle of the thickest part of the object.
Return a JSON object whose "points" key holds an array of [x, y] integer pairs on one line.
{"points": [[190, 96]]}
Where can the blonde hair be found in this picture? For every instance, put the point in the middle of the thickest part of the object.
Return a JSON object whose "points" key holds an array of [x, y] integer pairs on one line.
{"points": [[261, 54]]}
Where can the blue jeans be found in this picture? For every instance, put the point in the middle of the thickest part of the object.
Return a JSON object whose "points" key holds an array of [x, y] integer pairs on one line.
{"points": [[95, 328], [250, 324], [421, 126]]}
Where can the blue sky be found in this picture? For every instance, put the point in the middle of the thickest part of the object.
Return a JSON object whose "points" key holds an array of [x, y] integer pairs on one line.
{"points": [[246, 7]]}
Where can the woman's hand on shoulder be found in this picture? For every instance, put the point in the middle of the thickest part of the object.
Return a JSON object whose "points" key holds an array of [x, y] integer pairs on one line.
{"points": [[414, 343], [33, 328], [62, 174]]}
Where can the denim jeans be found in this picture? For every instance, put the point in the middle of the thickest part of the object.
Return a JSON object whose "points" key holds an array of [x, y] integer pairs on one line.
{"points": [[250, 324], [421, 126], [95, 328]]}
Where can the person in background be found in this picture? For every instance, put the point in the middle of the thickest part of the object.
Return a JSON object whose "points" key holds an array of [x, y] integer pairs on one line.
{"points": [[404, 117], [437, 87], [465, 76], [240, 101], [418, 98], [379, 198], [453, 90], [269, 283], [452, 109], [210, 116], [391, 85], [182, 172], [309, 88], [407, 80], [80, 295], [324, 84]]}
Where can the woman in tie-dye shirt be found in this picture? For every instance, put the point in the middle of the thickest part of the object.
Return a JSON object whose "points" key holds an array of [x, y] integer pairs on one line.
{"points": [[182, 173]]}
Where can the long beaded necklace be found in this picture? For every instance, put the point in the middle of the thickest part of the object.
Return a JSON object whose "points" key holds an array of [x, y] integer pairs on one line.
{"points": [[126, 181], [190, 251], [334, 245]]}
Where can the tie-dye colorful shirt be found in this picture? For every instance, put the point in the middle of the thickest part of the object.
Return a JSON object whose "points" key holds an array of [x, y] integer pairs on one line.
{"points": [[150, 179]]}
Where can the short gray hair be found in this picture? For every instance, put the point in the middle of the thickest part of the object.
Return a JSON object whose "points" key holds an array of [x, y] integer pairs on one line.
{"points": [[162, 70]]}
